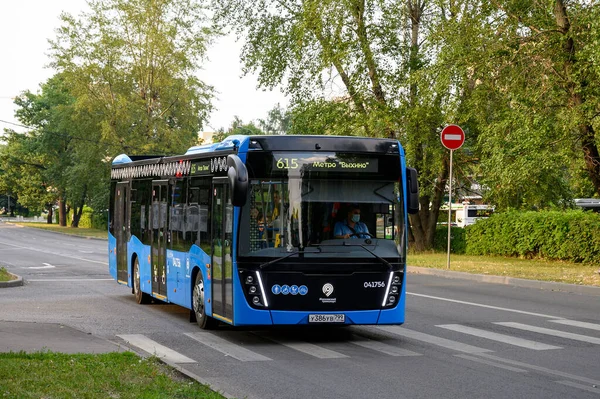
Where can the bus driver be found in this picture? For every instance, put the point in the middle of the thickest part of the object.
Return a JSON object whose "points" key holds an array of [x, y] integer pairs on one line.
{"points": [[351, 227]]}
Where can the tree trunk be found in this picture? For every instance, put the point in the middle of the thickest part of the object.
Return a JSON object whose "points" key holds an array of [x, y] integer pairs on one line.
{"points": [[62, 212], [49, 219], [76, 216], [79, 209], [589, 147]]}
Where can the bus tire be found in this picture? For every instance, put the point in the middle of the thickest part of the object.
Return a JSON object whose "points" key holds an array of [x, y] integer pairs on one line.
{"points": [[140, 297], [198, 305]]}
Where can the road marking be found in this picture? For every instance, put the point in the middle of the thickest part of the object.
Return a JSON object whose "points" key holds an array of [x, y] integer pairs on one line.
{"points": [[490, 363], [540, 369], [227, 348], [580, 386], [507, 339], [575, 323], [381, 347], [432, 339], [556, 333], [54, 253], [60, 280], [48, 266], [486, 306], [308, 348], [154, 348]]}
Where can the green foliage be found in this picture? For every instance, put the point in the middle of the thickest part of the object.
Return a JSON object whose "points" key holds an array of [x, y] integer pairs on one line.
{"points": [[571, 235], [132, 64], [458, 242], [90, 219], [277, 121]]}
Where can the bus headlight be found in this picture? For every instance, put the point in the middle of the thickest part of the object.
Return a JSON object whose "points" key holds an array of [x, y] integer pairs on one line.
{"points": [[392, 291], [249, 280], [256, 300], [252, 289]]}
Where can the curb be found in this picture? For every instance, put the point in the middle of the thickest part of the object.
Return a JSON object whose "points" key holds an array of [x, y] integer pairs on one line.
{"points": [[513, 281], [16, 224], [17, 282]]}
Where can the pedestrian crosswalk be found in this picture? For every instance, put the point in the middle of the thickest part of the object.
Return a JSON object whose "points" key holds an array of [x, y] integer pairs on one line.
{"points": [[464, 341]]}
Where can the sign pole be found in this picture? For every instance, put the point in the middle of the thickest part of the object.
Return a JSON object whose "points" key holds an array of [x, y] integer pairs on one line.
{"points": [[453, 137], [449, 209]]}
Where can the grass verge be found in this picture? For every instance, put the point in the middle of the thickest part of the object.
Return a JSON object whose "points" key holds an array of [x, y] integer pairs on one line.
{"points": [[5, 275], [533, 269], [76, 231], [112, 375]]}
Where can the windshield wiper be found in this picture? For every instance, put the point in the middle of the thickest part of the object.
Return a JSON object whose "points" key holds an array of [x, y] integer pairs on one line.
{"points": [[272, 262], [385, 262]]}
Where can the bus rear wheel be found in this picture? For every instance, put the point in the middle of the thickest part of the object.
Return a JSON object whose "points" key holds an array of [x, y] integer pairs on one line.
{"points": [[205, 322], [140, 297]]}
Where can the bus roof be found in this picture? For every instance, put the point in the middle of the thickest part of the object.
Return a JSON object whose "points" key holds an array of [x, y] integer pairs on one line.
{"points": [[302, 143], [281, 143]]}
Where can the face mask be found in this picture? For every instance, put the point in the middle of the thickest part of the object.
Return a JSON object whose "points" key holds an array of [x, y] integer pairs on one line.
{"points": [[356, 218]]}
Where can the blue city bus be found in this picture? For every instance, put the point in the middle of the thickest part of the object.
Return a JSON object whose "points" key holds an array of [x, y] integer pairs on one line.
{"points": [[243, 232]]}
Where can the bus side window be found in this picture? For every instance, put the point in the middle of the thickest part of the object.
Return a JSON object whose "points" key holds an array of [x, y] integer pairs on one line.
{"points": [[197, 214]]}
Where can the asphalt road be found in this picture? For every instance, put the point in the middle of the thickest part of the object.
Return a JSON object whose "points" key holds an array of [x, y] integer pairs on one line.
{"points": [[461, 339]]}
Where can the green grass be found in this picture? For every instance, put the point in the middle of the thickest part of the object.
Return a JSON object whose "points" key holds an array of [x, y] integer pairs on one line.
{"points": [[113, 375], [5, 275], [534, 269], [78, 231]]}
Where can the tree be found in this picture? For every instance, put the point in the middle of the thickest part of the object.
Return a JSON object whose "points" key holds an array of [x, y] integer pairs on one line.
{"points": [[277, 121], [132, 65], [49, 151], [535, 96], [357, 67]]}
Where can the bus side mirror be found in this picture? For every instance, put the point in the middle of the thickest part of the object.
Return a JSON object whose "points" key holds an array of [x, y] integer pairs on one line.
{"points": [[238, 180], [412, 190]]}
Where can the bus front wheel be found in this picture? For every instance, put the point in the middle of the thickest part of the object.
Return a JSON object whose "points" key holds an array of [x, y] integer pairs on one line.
{"points": [[140, 297], [204, 321]]}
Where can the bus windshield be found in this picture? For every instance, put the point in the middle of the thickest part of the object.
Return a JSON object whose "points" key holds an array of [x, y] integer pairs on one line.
{"points": [[288, 214]]}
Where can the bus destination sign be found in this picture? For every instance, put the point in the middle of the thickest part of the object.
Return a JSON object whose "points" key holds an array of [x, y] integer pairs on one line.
{"points": [[324, 163]]}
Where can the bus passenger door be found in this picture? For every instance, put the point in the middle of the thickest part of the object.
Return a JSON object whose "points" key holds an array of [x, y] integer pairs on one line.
{"points": [[158, 221], [121, 229], [222, 243]]}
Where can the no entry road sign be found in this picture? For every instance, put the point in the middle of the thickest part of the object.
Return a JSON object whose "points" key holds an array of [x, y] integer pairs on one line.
{"points": [[453, 137]]}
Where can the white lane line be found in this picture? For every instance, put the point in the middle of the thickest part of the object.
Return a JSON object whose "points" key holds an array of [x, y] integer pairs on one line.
{"points": [[227, 348], [381, 347], [490, 363], [154, 348], [580, 386], [42, 267], [485, 306], [507, 339], [60, 280], [54, 253], [576, 323], [555, 333], [432, 339], [309, 349], [540, 369]]}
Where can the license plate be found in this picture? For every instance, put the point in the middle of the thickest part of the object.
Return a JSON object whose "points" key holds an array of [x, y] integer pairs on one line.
{"points": [[326, 318]]}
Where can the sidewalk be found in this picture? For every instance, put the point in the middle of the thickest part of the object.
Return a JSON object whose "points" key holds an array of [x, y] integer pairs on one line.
{"points": [[16, 336]]}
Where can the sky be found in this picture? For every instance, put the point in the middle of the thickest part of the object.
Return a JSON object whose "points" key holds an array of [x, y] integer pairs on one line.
{"points": [[26, 26]]}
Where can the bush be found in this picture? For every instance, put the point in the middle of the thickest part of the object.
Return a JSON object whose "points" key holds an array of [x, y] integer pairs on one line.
{"points": [[458, 244], [571, 235], [89, 218]]}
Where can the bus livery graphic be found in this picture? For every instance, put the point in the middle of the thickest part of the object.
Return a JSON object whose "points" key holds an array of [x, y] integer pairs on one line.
{"points": [[246, 231]]}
